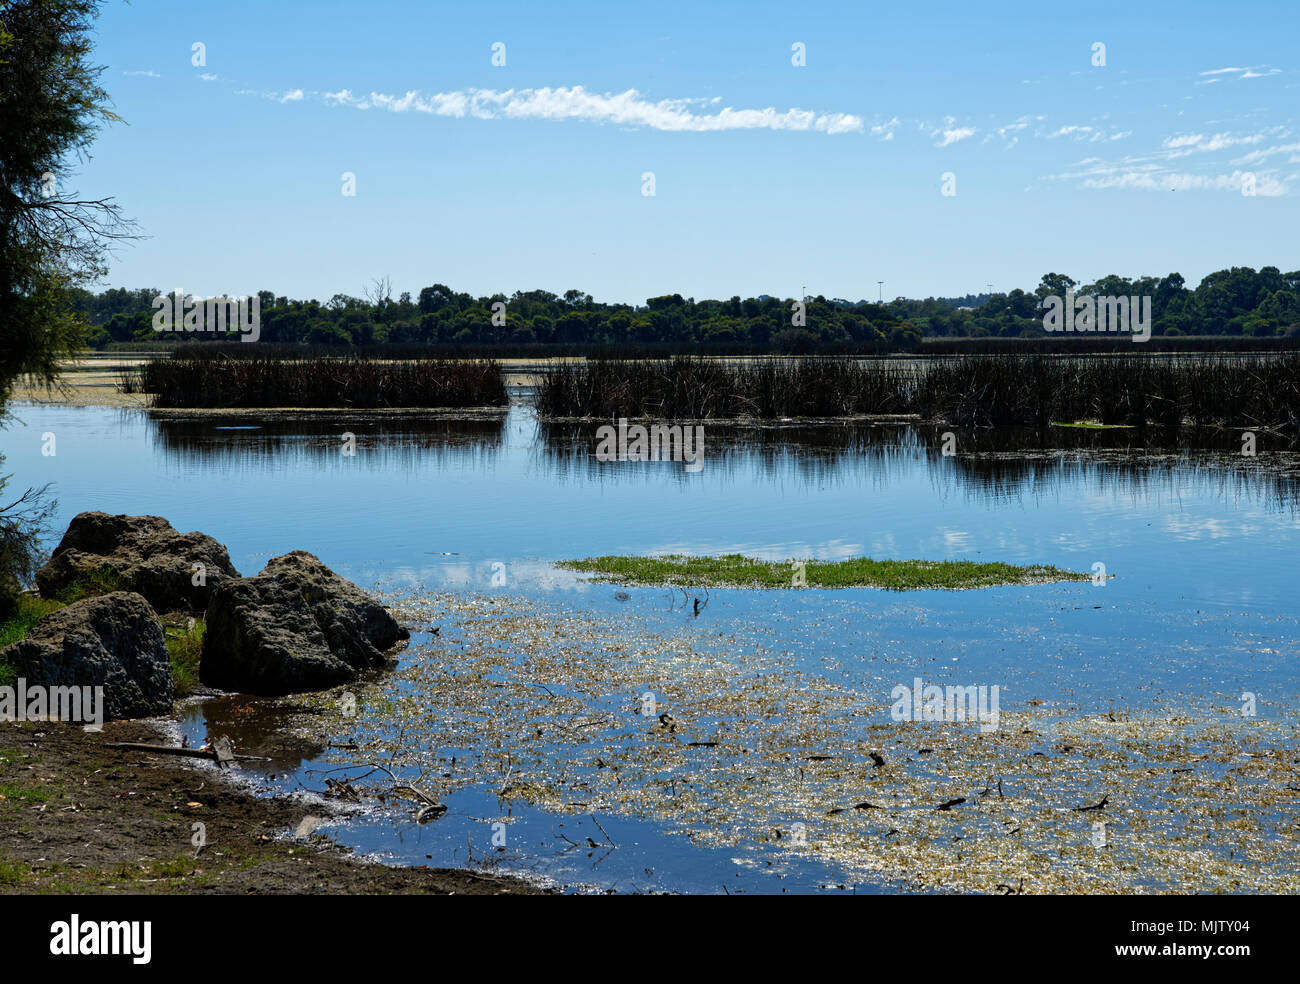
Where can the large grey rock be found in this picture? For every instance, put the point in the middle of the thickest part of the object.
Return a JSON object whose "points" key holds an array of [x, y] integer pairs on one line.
{"points": [[295, 627], [137, 553], [114, 641]]}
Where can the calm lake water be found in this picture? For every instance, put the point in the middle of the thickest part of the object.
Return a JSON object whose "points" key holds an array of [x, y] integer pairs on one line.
{"points": [[1200, 609]]}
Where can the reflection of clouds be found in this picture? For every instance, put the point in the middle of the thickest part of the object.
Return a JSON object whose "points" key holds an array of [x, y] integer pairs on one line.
{"points": [[478, 576], [770, 552], [953, 540], [1009, 542], [884, 545], [1205, 528]]}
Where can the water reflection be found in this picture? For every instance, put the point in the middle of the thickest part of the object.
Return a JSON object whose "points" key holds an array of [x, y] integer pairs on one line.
{"points": [[991, 463], [254, 726], [380, 441]]}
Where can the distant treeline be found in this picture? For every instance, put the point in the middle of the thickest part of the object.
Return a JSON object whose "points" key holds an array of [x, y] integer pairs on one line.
{"points": [[1239, 302]]}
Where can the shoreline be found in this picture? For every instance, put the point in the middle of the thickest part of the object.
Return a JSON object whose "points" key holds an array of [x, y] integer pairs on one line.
{"points": [[78, 817]]}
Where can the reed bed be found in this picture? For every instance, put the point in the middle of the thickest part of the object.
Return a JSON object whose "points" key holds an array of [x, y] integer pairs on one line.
{"points": [[1257, 391], [1134, 390], [263, 381], [710, 389]]}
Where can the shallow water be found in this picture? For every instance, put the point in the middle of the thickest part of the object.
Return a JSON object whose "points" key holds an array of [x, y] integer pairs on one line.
{"points": [[1199, 610]]}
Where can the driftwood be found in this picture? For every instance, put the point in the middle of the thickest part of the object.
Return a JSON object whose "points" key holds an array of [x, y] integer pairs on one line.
{"points": [[220, 752], [1095, 806]]}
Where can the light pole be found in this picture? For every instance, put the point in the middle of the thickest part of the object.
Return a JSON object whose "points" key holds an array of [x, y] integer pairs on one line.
{"points": [[880, 290]]}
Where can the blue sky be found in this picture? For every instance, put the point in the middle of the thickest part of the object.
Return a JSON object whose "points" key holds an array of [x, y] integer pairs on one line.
{"points": [[768, 177]]}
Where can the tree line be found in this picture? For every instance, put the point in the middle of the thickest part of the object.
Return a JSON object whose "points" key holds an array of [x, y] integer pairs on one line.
{"points": [[1239, 301]]}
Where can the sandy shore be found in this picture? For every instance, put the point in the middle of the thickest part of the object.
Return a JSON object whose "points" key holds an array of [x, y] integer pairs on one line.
{"points": [[88, 381]]}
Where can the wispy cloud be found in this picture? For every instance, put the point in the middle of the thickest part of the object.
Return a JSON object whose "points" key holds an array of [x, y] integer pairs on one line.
{"points": [[1255, 156], [1099, 174], [1208, 141], [951, 133], [574, 103], [146, 73], [1010, 132], [1253, 72], [885, 131]]}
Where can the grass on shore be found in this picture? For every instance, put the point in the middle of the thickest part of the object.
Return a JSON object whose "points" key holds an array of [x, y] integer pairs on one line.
{"points": [[737, 571], [184, 645], [28, 612], [185, 648]]}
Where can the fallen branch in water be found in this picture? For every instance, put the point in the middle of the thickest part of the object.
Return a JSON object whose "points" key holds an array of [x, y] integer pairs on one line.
{"points": [[1095, 806], [203, 753], [429, 807]]}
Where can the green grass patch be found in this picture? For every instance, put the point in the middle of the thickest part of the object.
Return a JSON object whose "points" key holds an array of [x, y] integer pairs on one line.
{"points": [[736, 571], [91, 584], [185, 649], [1096, 425], [30, 611], [10, 873], [24, 794]]}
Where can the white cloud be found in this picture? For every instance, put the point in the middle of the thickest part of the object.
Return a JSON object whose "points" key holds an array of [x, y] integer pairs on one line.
{"points": [[1094, 173], [148, 74], [885, 131], [294, 95], [950, 133], [576, 103], [1208, 142], [1080, 132], [1253, 72], [1255, 156], [1010, 131], [208, 77]]}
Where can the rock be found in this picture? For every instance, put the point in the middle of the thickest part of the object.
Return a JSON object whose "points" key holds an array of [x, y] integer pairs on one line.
{"points": [[137, 553], [114, 641], [297, 626]]}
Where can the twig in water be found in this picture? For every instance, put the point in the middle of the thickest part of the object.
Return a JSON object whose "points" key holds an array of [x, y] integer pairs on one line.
{"points": [[1095, 806], [603, 831]]}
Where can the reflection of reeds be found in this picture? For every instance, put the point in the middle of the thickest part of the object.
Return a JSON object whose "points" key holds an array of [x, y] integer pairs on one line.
{"points": [[261, 381], [992, 463], [261, 440], [1250, 391]]}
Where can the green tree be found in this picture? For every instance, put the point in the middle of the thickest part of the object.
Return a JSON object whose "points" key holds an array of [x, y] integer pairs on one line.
{"points": [[51, 239]]}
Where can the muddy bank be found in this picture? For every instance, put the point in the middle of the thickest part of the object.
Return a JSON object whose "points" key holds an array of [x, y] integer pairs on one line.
{"points": [[78, 817]]}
